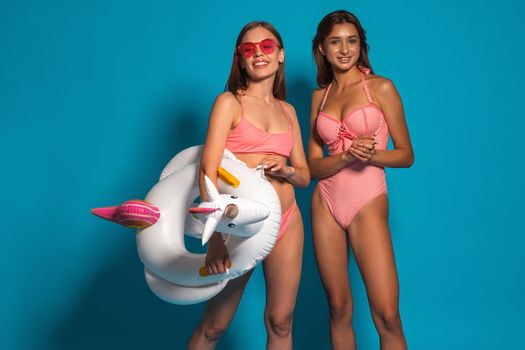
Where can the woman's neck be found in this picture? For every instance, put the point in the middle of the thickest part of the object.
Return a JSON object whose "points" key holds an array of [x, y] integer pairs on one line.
{"points": [[347, 78], [262, 90]]}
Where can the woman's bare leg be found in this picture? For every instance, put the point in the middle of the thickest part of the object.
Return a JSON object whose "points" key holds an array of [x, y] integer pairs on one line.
{"points": [[218, 315], [331, 251], [372, 246], [282, 271]]}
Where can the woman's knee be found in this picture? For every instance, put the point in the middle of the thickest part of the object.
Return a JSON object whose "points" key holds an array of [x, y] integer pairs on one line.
{"points": [[214, 331], [280, 323], [388, 321], [341, 308]]}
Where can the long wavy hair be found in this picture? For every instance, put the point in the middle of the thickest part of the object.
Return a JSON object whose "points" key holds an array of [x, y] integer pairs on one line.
{"points": [[325, 73], [239, 80]]}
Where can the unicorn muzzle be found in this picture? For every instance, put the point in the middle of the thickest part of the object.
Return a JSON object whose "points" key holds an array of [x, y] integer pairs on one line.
{"points": [[247, 220]]}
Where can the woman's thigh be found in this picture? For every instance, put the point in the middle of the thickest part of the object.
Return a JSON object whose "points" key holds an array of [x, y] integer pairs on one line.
{"points": [[331, 249], [282, 267]]}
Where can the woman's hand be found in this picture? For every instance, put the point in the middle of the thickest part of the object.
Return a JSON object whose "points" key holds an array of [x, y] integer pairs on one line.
{"points": [[276, 166], [217, 257], [363, 147]]}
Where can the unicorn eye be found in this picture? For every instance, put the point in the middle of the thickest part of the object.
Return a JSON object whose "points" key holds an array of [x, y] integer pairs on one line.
{"points": [[234, 197], [231, 225]]}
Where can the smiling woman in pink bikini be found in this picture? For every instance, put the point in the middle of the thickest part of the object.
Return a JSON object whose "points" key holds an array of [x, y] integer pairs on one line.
{"points": [[352, 113], [254, 122]]}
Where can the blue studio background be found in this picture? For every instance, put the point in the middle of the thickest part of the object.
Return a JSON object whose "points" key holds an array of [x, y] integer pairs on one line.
{"points": [[97, 96]]}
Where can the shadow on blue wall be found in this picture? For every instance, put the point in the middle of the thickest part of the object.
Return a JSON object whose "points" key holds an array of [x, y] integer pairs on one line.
{"points": [[117, 310]]}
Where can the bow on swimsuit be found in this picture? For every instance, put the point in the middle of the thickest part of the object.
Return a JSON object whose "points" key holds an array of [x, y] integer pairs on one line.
{"points": [[247, 138], [350, 189]]}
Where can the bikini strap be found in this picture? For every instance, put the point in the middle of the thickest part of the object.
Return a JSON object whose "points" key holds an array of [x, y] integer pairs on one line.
{"points": [[325, 96], [239, 99], [285, 113], [365, 86], [242, 108]]}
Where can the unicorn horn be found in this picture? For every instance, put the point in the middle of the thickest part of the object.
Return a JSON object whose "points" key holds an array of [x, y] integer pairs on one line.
{"points": [[211, 191], [209, 228]]}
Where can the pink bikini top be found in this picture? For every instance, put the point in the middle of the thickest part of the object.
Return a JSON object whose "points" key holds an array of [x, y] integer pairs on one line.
{"points": [[247, 138], [339, 134]]}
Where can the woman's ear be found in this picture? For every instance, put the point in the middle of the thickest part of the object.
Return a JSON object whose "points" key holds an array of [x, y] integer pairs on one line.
{"points": [[321, 49], [281, 56]]}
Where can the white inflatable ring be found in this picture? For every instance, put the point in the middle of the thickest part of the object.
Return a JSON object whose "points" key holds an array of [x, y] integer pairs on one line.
{"points": [[171, 270]]}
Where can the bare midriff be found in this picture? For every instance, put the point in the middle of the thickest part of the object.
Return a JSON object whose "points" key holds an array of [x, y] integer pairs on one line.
{"points": [[284, 189]]}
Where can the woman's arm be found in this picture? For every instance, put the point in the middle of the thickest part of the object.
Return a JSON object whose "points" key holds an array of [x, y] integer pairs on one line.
{"points": [[226, 110], [301, 176], [402, 156]]}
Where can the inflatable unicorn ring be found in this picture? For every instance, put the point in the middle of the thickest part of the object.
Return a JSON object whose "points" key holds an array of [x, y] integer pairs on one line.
{"points": [[169, 212]]}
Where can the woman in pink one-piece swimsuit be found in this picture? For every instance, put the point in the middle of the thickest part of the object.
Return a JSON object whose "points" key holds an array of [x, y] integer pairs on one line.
{"points": [[353, 112]]}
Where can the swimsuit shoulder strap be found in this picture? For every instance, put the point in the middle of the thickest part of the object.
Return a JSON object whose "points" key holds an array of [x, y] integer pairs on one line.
{"points": [[365, 87], [324, 97], [239, 99], [285, 113], [242, 108]]}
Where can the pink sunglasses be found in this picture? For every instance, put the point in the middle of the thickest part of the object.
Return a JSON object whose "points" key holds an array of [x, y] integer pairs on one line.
{"points": [[248, 49]]}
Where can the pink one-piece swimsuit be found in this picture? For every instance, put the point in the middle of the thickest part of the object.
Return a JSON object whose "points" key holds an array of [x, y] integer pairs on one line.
{"points": [[351, 188]]}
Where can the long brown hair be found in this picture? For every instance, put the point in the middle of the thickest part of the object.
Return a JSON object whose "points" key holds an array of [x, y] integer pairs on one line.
{"points": [[324, 69], [239, 80]]}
